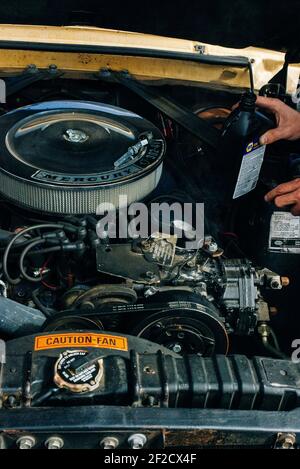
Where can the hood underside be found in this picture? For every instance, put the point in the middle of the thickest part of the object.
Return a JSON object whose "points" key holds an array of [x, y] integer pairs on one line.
{"points": [[239, 23], [88, 50]]}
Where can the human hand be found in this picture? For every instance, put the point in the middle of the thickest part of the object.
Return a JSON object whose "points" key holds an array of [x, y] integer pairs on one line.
{"points": [[288, 121], [286, 194]]}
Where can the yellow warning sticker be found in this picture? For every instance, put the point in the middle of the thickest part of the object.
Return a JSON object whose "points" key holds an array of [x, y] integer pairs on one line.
{"points": [[74, 340]]}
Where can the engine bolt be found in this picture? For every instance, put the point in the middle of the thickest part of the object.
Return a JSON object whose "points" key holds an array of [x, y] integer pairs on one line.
{"points": [[21, 293], [213, 247], [286, 440], [137, 441], [26, 442], [109, 442], [275, 285], [54, 442], [11, 400], [53, 68], [150, 275], [176, 348]]}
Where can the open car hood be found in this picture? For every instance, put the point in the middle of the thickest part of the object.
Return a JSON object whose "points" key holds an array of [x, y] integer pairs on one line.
{"points": [[86, 49]]}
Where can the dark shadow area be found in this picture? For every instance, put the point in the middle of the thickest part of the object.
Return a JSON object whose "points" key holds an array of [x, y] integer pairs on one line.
{"points": [[238, 23]]}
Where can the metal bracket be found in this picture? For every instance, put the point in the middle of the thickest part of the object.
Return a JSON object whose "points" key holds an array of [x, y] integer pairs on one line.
{"points": [[30, 75]]}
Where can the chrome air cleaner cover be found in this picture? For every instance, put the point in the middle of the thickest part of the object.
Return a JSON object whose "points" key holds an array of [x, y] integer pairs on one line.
{"points": [[67, 157]]}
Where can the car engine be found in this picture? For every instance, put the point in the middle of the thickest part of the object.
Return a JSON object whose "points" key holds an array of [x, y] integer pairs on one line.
{"points": [[95, 313]]}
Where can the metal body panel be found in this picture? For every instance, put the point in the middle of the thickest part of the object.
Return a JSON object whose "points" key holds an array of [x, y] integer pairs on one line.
{"points": [[87, 50], [86, 427]]}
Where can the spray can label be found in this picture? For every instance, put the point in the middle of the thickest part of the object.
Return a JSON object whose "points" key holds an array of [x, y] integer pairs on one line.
{"points": [[252, 160]]}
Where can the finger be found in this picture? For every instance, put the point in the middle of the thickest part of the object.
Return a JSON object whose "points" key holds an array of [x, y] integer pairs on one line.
{"points": [[282, 189], [273, 136], [272, 104], [296, 210], [286, 200]]}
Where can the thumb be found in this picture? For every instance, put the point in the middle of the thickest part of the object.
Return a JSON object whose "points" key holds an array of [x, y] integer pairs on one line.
{"points": [[271, 136]]}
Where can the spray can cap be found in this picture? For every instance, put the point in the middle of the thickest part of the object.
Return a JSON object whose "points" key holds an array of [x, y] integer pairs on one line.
{"points": [[248, 101]]}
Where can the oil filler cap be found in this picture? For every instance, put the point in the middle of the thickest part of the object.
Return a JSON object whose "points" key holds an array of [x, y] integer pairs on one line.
{"points": [[77, 372]]}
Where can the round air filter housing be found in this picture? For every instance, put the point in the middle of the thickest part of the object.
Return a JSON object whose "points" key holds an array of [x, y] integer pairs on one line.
{"points": [[67, 157]]}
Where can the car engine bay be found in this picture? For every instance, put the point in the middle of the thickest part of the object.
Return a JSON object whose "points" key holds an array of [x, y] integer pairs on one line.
{"points": [[91, 319]]}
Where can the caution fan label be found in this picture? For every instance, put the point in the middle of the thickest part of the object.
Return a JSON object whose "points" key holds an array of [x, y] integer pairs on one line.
{"points": [[53, 341]]}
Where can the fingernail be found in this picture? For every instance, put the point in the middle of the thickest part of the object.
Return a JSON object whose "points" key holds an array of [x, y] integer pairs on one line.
{"points": [[263, 140]]}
